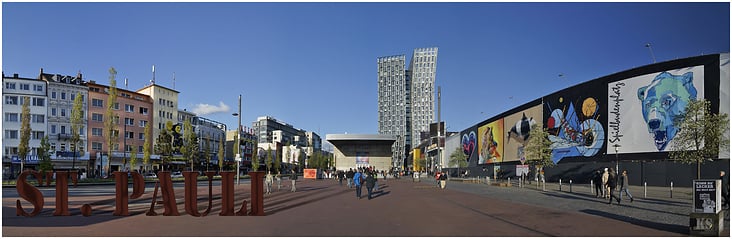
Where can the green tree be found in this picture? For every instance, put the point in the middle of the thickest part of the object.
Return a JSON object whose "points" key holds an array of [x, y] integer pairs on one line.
{"points": [[267, 159], [44, 155], [190, 143], [277, 162], [206, 154], [458, 159], [77, 121], [164, 147], [133, 159], [421, 163], [702, 134], [537, 149], [221, 153], [25, 131], [146, 151], [110, 118]]}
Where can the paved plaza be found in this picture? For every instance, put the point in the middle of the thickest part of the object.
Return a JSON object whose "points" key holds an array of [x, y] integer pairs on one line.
{"points": [[401, 208]]}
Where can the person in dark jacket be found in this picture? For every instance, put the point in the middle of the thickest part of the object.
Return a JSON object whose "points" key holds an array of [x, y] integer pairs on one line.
{"points": [[612, 183], [443, 180], [349, 177], [597, 180], [341, 175], [725, 189], [624, 185], [294, 179], [370, 183]]}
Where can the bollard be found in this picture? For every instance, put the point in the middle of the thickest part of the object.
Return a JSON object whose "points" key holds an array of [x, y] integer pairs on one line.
{"points": [[520, 185], [537, 183], [570, 185], [543, 185], [509, 181], [645, 189], [488, 180], [591, 187], [672, 189], [560, 184]]}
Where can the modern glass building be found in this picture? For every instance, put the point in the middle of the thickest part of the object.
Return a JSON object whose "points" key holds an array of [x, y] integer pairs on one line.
{"points": [[406, 98]]}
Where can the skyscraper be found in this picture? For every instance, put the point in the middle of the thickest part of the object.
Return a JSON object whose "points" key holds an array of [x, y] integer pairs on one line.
{"points": [[406, 98]]}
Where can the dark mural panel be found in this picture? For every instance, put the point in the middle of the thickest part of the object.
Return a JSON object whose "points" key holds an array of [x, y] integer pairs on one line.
{"points": [[576, 120], [469, 145]]}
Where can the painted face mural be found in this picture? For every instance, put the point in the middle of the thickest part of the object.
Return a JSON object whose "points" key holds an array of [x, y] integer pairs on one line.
{"points": [[575, 135], [663, 100], [490, 142], [468, 142]]}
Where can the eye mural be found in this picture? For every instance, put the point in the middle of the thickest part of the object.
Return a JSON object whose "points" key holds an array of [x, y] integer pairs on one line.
{"points": [[574, 133]]}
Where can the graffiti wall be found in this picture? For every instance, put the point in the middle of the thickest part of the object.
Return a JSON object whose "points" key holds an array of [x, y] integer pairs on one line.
{"points": [[490, 142], [642, 109], [517, 130], [469, 144], [574, 119]]}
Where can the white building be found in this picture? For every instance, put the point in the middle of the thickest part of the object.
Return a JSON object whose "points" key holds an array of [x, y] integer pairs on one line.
{"points": [[15, 91]]}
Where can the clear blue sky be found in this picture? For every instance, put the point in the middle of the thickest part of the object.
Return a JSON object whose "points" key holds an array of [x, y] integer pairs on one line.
{"points": [[313, 65]]}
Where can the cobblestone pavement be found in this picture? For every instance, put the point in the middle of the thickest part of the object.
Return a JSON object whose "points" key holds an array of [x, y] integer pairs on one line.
{"points": [[400, 208]]}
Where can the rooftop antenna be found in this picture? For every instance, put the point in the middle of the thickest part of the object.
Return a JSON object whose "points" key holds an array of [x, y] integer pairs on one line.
{"points": [[174, 80], [126, 84], [153, 71], [651, 50]]}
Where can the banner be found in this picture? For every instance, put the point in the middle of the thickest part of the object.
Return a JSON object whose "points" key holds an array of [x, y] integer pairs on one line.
{"points": [[309, 173]]}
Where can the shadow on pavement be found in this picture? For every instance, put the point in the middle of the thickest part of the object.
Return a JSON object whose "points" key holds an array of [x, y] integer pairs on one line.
{"points": [[649, 224]]}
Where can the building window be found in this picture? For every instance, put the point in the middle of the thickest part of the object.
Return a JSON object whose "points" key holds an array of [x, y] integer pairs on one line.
{"points": [[97, 117], [38, 88], [11, 100], [24, 86], [11, 134], [96, 131], [11, 117], [63, 112], [53, 146], [129, 108], [96, 146], [140, 148], [38, 118], [63, 95], [143, 123], [141, 136], [81, 130], [9, 86], [53, 129], [116, 106], [37, 134], [129, 134], [63, 129], [128, 148], [130, 122], [97, 103], [53, 111], [143, 111]]}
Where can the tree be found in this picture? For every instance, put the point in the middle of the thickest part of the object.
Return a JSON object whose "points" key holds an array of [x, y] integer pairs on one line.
{"points": [[25, 130], [537, 149], [206, 154], [221, 153], [458, 159], [277, 162], [190, 143], [421, 163], [164, 147], [77, 120], [267, 160], [110, 118], [701, 135], [146, 151], [133, 159], [44, 155]]}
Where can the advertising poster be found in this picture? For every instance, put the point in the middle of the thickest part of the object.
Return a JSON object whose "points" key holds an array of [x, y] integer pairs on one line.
{"points": [[641, 110], [522, 169], [707, 196], [490, 142], [517, 130], [575, 121], [309, 173], [362, 158]]}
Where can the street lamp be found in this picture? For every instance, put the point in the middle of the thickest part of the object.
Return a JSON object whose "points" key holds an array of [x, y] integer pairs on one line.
{"points": [[238, 138], [651, 50], [617, 147]]}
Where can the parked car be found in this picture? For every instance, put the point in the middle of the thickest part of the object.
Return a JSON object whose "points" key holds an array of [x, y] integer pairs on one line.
{"points": [[151, 175], [176, 175]]}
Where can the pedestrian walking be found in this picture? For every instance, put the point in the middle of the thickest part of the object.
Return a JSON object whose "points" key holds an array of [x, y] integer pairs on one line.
{"points": [[612, 183], [349, 177], [725, 189], [279, 181], [357, 180], [341, 175], [294, 179], [605, 188], [268, 180], [624, 186], [597, 180], [370, 184]]}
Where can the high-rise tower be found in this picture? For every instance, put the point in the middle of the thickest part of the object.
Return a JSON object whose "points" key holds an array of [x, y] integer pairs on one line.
{"points": [[406, 98]]}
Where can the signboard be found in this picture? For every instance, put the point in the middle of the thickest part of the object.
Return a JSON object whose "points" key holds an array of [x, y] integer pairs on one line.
{"points": [[707, 196], [522, 169], [309, 173]]}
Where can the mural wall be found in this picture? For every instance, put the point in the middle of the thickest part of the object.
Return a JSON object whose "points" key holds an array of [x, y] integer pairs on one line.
{"points": [[469, 144], [575, 121], [517, 130], [490, 142], [642, 108]]}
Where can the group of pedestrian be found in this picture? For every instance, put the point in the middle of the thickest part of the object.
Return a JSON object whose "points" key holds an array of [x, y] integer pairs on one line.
{"points": [[269, 181], [363, 177], [607, 181]]}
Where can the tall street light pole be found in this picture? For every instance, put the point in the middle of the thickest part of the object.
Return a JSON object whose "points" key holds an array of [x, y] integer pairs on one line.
{"points": [[617, 148], [238, 138], [651, 50]]}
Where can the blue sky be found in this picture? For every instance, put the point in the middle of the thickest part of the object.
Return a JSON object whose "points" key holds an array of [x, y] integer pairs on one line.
{"points": [[313, 65]]}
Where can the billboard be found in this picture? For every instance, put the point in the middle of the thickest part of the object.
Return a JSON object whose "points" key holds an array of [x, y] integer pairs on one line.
{"points": [[469, 143], [490, 142], [641, 110], [517, 130]]}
